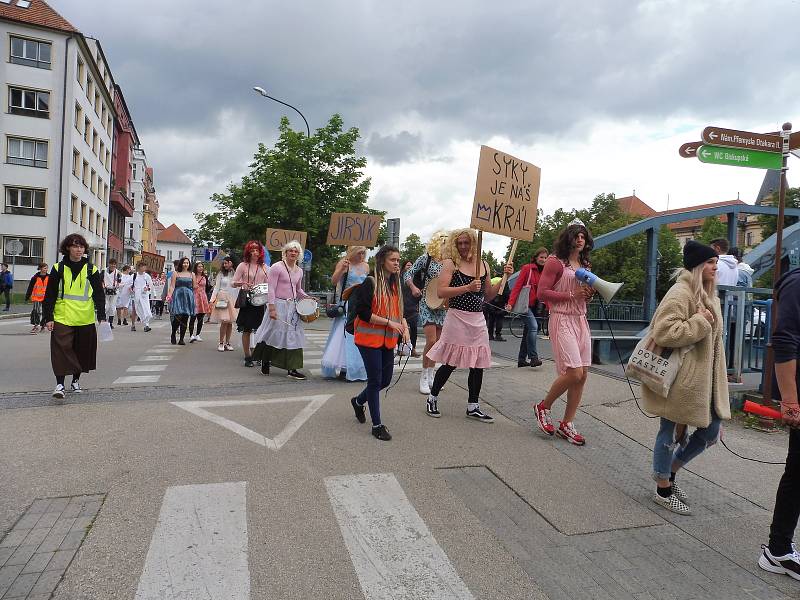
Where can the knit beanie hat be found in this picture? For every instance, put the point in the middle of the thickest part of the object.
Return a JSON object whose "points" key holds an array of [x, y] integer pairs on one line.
{"points": [[695, 253]]}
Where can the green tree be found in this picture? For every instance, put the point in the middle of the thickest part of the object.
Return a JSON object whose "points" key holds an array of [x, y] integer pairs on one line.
{"points": [[712, 229], [411, 248], [494, 264], [768, 222], [297, 184]]}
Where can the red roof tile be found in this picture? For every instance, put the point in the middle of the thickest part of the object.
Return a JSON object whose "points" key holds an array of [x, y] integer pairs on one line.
{"points": [[634, 206], [38, 13], [174, 235]]}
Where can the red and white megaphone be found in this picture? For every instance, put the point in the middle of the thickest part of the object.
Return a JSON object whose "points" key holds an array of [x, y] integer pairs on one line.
{"points": [[605, 288]]}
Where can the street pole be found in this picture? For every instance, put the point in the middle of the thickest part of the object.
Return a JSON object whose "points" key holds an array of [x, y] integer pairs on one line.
{"points": [[769, 361]]}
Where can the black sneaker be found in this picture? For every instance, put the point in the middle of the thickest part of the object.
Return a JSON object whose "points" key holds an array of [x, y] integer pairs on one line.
{"points": [[381, 433], [112, 325], [535, 362], [172, 339], [125, 322], [264, 367], [499, 338], [523, 363], [181, 342], [479, 415], [295, 374], [342, 376], [359, 410], [491, 337], [432, 407], [248, 362], [147, 328], [788, 564]]}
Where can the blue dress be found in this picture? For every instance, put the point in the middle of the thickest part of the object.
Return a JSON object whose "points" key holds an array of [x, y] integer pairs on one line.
{"points": [[340, 349], [427, 315], [182, 297]]}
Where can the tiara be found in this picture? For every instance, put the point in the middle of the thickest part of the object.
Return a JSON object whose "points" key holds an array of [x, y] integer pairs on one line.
{"points": [[577, 221]]}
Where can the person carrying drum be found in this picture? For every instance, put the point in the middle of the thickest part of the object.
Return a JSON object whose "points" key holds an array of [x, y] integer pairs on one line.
{"points": [[280, 339]]}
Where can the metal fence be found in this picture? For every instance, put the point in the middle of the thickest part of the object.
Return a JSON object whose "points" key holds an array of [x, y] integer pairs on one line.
{"points": [[747, 318], [616, 311]]}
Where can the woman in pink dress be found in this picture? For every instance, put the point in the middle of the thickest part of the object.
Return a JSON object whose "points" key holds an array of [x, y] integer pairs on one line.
{"points": [[201, 305], [569, 330], [464, 342]]}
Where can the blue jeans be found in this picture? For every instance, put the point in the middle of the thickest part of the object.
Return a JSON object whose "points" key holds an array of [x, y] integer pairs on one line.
{"points": [[527, 345], [379, 363], [669, 450]]}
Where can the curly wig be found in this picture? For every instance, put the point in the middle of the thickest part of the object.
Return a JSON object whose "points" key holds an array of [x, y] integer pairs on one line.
{"points": [[452, 249], [292, 245], [73, 239], [437, 246], [566, 242], [253, 246]]}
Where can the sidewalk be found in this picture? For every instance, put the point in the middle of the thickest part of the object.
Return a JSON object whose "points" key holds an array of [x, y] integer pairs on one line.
{"points": [[573, 549]]}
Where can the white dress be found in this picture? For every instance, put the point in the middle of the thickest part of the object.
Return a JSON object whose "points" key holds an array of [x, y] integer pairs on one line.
{"points": [[110, 283], [124, 294], [142, 284]]}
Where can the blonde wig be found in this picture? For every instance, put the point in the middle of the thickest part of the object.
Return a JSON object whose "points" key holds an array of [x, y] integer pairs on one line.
{"points": [[352, 251], [452, 249], [437, 247], [293, 245]]}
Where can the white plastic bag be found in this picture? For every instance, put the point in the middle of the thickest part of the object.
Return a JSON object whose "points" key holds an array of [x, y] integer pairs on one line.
{"points": [[104, 332]]}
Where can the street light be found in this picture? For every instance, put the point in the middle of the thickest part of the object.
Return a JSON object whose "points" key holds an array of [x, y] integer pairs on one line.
{"points": [[263, 92]]}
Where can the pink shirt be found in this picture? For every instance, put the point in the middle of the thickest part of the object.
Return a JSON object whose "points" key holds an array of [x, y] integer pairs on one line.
{"points": [[252, 274], [280, 286]]}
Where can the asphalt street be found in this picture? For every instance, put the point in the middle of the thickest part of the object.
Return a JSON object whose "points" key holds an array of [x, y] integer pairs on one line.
{"points": [[179, 473]]}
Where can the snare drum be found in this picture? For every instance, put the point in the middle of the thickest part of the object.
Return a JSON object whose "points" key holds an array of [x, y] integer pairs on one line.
{"points": [[307, 309], [258, 294], [432, 298]]}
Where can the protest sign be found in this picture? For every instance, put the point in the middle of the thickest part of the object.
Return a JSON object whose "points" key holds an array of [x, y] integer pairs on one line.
{"points": [[278, 238], [354, 229], [154, 262], [506, 195]]}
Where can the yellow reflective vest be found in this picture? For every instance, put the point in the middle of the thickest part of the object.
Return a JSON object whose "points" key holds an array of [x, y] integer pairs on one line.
{"points": [[74, 303]]}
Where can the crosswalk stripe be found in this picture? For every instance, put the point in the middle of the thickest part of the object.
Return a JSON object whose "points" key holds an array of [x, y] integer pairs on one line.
{"points": [[394, 553], [163, 350], [199, 545], [136, 379], [145, 368], [154, 358], [411, 367]]}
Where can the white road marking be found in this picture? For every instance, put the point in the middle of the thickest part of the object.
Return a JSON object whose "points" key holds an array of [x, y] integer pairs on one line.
{"points": [[136, 379], [154, 358], [394, 553], [143, 368], [199, 545], [411, 367], [198, 407], [163, 350]]}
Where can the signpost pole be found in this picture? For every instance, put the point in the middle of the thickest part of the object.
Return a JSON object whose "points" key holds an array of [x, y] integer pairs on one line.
{"points": [[479, 263], [769, 361]]}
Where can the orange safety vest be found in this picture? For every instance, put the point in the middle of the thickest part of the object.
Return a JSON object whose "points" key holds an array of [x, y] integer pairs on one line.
{"points": [[39, 288], [371, 335]]}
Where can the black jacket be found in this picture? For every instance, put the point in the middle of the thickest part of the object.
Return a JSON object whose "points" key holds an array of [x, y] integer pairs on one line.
{"points": [[54, 289], [786, 340], [32, 283]]}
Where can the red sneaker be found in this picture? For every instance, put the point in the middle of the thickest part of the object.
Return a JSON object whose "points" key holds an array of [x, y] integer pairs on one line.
{"points": [[543, 419], [569, 433]]}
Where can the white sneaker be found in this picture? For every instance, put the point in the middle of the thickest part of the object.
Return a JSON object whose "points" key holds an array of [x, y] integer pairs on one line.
{"points": [[197, 338], [228, 347], [424, 384], [75, 387], [672, 503], [221, 348], [788, 564], [59, 392], [192, 338]]}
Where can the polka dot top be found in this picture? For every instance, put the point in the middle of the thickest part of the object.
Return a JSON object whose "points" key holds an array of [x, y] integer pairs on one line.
{"points": [[468, 301]]}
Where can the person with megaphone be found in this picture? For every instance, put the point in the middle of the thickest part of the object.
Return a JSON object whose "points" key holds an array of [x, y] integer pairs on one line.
{"points": [[570, 337]]}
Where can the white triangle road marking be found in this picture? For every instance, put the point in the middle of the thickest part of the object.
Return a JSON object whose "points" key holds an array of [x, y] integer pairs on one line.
{"points": [[198, 407]]}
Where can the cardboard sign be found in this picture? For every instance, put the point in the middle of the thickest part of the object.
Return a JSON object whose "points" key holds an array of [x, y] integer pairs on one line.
{"points": [[506, 195], [354, 229], [154, 262], [278, 238]]}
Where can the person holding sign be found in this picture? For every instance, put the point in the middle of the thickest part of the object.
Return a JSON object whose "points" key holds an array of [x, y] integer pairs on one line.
{"points": [[569, 329], [464, 342], [378, 324], [340, 349], [423, 274], [280, 339]]}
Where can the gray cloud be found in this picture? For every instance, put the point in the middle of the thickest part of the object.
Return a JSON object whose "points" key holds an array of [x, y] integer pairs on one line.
{"points": [[460, 70]]}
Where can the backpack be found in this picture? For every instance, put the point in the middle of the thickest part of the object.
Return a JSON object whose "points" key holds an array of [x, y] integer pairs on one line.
{"points": [[350, 324]]}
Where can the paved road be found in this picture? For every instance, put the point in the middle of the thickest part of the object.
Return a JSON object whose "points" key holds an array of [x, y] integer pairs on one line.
{"points": [[208, 480]]}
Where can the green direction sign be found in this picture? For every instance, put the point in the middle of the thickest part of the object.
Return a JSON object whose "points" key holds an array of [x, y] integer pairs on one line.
{"points": [[739, 157]]}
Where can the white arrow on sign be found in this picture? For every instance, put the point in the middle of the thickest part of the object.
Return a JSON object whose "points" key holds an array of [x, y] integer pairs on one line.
{"points": [[705, 153], [713, 135]]}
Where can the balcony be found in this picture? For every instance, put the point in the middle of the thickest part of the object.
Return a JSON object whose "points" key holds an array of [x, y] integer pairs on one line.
{"points": [[132, 245], [121, 202]]}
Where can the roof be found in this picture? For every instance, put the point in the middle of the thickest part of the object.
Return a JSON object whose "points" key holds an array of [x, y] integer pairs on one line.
{"points": [[770, 185], [39, 13], [174, 235], [633, 205]]}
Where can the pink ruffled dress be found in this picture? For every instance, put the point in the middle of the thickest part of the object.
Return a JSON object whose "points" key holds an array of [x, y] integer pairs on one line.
{"points": [[464, 342]]}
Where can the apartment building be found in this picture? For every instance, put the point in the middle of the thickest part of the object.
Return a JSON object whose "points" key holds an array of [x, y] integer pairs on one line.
{"points": [[57, 135], [124, 240]]}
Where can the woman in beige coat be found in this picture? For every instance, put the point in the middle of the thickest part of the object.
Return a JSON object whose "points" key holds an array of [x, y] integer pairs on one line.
{"points": [[689, 317]]}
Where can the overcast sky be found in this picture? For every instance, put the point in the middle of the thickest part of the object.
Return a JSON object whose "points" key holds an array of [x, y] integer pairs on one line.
{"points": [[600, 94]]}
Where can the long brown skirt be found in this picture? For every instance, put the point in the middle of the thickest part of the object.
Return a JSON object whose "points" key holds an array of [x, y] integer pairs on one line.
{"points": [[73, 349]]}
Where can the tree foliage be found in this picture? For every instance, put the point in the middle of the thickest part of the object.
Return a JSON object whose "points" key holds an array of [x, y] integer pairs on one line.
{"points": [[712, 229], [768, 222], [297, 184], [411, 248], [624, 260]]}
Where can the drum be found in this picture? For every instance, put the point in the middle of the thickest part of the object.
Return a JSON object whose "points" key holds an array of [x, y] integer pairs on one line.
{"points": [[307, 309], [258, 295], [432, 298]]}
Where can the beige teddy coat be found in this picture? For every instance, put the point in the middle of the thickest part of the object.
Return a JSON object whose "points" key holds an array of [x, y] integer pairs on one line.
{"points": [[676, 324]]}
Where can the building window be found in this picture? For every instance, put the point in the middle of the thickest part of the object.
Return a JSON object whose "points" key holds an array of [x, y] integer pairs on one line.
{"points": [[100, 188], [97, 103], [104, 228], [94, 182], [83, 215], [91, 220], [108, 160], [25, 201], [78, 116], [749, 237], [73, 210], [98, 225], [85, 177], [87, 131], [29, 103], [28, 153], [169, 255], [76, 163], [81, 72], [31, 53], [89, 88], [102, 151], [32, 250]]}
